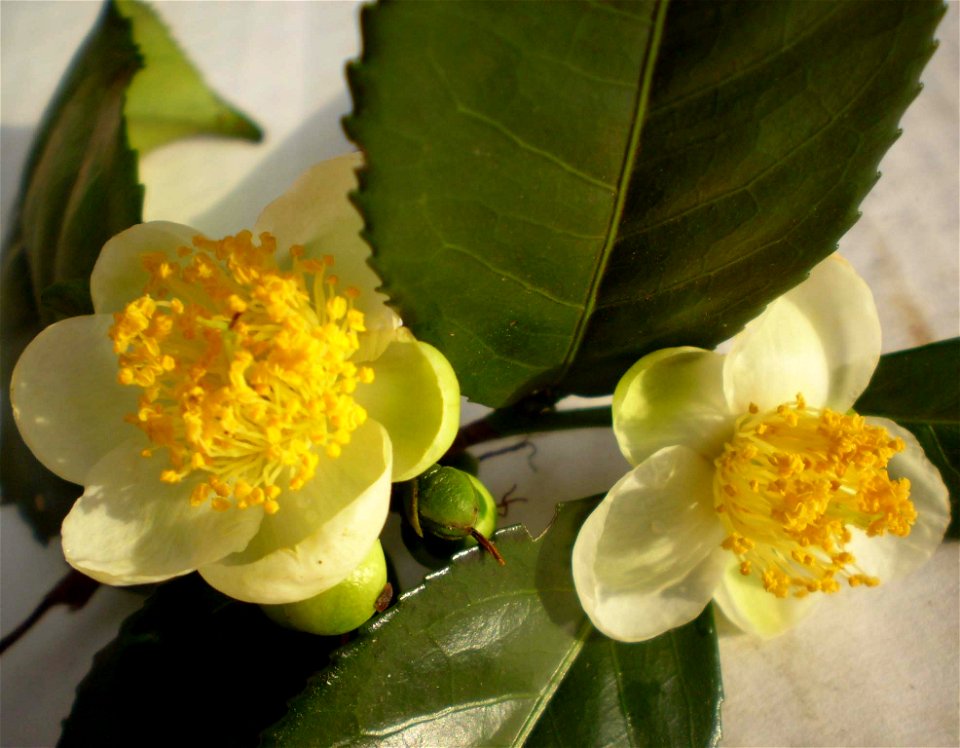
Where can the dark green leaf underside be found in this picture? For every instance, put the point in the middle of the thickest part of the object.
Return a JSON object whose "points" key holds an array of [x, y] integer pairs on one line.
{"points": [[192, 668], [920, 389], [494, 197]]}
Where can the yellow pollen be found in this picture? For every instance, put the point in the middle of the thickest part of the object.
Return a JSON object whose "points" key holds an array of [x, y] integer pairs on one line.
{"points": [[790, 485], [245, 369]]}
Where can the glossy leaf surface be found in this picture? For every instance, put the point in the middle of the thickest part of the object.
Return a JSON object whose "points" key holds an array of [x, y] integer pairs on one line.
{"points": [[666, 691], [489, 655]]}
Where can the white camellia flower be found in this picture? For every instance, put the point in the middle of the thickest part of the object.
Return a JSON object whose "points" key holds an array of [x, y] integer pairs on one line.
{"points": [[238, 406], [755, 484]]}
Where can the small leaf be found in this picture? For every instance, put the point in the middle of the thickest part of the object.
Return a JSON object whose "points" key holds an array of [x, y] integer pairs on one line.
{"points": [[666, 691], [920, 389], [918, 384], [168, 99], [79, 188], [192, 667], [475, 656], [546, 206]]}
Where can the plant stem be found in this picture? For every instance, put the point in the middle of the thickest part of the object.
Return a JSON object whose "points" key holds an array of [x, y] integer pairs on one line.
{"points": [[514, 421], [74, 590]]}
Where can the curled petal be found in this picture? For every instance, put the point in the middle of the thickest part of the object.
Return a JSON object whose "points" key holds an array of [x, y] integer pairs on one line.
{"points": [[129, 527], [888, 556], [66, 400], [821, 339], [745, 602], [672, 396], [321, 533], [119, 275], [316, 213], [649, 557], [416, 397]]}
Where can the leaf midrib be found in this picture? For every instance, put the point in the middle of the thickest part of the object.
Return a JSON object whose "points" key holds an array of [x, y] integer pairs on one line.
{"points": [[636, 126], [546, 696]]}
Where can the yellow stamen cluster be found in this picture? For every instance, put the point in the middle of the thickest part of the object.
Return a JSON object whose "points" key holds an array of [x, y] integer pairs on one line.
{"points": [[791, 484], [245, 369]]}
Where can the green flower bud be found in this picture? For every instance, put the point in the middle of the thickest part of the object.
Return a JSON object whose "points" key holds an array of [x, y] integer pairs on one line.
{"points": [[452, 505], [342, 608], [447, 503]]}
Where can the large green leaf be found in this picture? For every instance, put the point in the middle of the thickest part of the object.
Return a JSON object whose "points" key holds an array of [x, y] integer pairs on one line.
{"points": [[80, 187], [475, 656], [920, 389], [524, 224], [666, 691], [168, 99], [192, 668]]}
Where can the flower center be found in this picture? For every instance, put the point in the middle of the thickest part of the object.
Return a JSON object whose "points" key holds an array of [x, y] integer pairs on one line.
{"points": [[245, 369], [792, 482]]}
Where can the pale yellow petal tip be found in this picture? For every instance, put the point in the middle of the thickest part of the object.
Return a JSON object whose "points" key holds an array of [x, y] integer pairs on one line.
{"points": [[432, 437]]}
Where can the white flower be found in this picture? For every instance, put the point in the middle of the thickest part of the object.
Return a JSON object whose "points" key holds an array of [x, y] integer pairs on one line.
{"points": [[238, 406], [754, 485]]}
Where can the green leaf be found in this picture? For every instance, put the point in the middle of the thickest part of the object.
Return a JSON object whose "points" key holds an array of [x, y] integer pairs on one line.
{"points": [[523, 223], [666, 691], [920, 389], [168, 99], [79, 188], [475, 655], [918, 384], [192, 667]]}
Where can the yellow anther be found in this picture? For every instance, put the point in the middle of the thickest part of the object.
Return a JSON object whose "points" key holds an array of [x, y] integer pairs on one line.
{"points": [[791, 484], [253, 403]]}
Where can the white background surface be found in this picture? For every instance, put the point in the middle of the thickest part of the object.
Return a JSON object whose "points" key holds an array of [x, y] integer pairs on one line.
{"points": [[877, 668]]}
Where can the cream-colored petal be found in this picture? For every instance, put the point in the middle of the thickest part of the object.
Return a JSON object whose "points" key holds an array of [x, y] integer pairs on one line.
{"points": [[129, 527], [118, 276], [744, 601], [649, 557], [316, 212], [66, 400], [888, 556], [416, 397], [672, 396], [320, 533], [821, 339]]}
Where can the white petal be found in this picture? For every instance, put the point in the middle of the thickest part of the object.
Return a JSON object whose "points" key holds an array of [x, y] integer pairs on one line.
{"points": [[66, 399], [131, 528], [747, 604], [821, 339], [888, 556], [118, 276], [649, 557], [321, 532], [416, 397], [316, 212], [672, 396]]}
